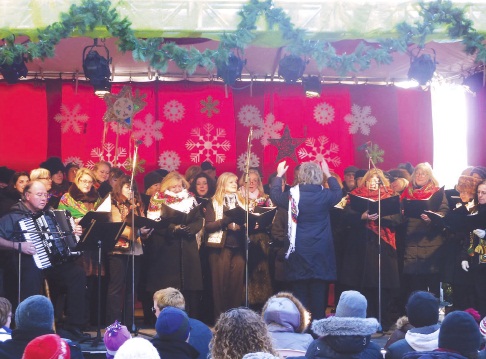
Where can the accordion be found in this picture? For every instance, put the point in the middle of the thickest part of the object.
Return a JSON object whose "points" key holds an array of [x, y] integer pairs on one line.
{"points": [[51, 232]]}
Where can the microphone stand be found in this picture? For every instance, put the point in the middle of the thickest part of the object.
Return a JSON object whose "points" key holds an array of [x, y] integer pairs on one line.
{"points": [[132, 254], [247, 209], [372, 163]]}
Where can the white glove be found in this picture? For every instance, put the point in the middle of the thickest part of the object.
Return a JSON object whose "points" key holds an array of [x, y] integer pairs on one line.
{"points": [[480, 233], [282, 168], [465, 266]]}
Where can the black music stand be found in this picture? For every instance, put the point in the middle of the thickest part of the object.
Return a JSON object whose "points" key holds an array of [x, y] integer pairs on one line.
{"points": [[101, 236]]}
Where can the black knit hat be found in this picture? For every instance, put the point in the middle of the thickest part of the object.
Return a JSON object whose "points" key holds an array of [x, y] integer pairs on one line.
{"points": [[422, 309], [460, 332], [151, 178], [480, 171], [53, 164]]}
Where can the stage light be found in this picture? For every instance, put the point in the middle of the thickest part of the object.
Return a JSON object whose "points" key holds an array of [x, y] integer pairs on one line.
{"points": [[312, 86], [17, 70], [422, 68], [97, 68], [291, 68], [230, 71]]}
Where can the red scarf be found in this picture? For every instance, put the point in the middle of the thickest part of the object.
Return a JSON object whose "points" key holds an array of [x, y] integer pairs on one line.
{"points": [[387, 234], [419, 193]]}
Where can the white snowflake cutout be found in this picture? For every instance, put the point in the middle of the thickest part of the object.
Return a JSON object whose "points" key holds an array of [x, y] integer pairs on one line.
{"points": [[360, 119], [107, 153], [118, 128], [268, 129], [320, 151], [254, 161], [73, 159], [71, 118], [249, 115], [169, 160], [148, 130], [208, 144], [324, 113], [174, 111]]}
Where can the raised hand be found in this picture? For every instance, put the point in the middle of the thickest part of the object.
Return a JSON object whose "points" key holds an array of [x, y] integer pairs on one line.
{"points": [[325, 168], [282, 168]]}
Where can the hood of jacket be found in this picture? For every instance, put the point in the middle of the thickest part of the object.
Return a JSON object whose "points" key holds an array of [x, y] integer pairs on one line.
{"points": [[285, 313], [433, 355], [338, 326], [174, 349], [424, 338]]}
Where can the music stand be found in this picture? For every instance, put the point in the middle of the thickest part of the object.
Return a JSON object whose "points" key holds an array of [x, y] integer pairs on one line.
{"points": [[101, 236]]}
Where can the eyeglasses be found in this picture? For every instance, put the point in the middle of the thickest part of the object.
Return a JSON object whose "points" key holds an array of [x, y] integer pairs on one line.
{"points": [[41, 195], [421, 174], [85, 181], [45, 178]]}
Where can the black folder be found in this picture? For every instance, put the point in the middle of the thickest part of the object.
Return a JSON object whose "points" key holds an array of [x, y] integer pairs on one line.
{"points": [[261, 215], [97, 216], [389, 206], [414, 208], [177, 217], [147, 222], [105, 232]]}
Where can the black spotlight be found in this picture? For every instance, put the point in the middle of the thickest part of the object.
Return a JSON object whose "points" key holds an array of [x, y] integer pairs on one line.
{"points": [[97, 68], [291, 68], [312, 86], [422, 68], [230, 70], [17, 70]]}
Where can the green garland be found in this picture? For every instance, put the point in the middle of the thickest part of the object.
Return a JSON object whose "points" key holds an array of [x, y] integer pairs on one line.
{"points": [[83, 18]]}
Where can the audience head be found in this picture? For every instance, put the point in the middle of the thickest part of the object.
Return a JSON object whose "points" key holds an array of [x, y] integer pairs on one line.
{"points": [[70, 172], [168, 297], [475, 314], [310, 173], [101, 170], [286, 310], [151, 182], [482, 327], [422, 309], [459, 332], [172, 325], [5, 312], [351, 304], [238, 332], [260, 355], [191, 172], [49, 346], [34, 313], [203, 185], [137, 348], [18, 181], [114, 337], [42, 175], [56, 168]]}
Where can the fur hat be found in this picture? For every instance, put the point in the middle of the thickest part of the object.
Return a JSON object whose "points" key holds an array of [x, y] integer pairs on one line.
{"points": [[115, 335], [480, 171], [350, 169], [173, 324], [286, 310], [468, 184], [137, 348], [206, 165], [396, 173], [54, 165], [35, 312], [460, 333], [151, 178], [351, 304], [407, 166], [49, 346], [422, 309]]}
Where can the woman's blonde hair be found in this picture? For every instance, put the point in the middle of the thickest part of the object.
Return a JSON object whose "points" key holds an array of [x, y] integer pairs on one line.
{"points": [[374, 172], [238, 332], [172, 179], [241, 182], [37, 173], [220, 188], [427, 168], [81, 172]]}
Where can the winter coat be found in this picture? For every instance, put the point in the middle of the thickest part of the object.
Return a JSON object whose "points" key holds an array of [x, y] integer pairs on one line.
{"points": [[433, 355], [403, 326], [199, 337], [14, 348], [314, 256], [342, 337], [416, 339], [174, 349]]}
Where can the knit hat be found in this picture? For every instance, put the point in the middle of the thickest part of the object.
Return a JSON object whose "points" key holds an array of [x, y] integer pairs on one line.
{"points": [[206, 165], [115, 335], [482, 327], [460, 333], [35, 312], [53, 164], [151, 178], [422, 309], [137, 348], [351, 304], [480, 171], [49, 346], [475, 314], [172, 324], [350, 169]]}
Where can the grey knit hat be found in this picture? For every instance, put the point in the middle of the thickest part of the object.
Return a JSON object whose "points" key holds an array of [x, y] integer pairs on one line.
{"points": [[35, 312]]}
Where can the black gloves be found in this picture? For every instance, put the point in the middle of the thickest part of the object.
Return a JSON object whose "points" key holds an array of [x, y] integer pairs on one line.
{"points": [[225, 221], [180, 230]]}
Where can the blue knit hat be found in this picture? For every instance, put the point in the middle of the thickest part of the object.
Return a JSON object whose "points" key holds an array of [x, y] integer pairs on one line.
{"points": [[351, 304], [35, 312], [460, 332], [173, 324], [422, 309]]}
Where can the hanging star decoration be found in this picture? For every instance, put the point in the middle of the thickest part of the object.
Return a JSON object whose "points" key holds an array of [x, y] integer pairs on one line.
{"points": [[286, 145], [123, 107]]}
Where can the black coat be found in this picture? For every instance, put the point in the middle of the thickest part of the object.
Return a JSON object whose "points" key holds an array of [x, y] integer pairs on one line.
{"points": [[314, 256], [172, 349]]}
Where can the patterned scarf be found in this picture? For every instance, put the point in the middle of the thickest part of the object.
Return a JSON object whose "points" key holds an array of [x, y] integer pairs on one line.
{"points": [[183, 201], [294, 199]]}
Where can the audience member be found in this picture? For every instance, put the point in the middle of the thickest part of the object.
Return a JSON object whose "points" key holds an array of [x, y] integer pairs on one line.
{"points": [[347, 334], [5, 319], [259, 355], [137, 348], [173, 329], [48, 346], [403, 326], [287, 321], [423, 313], [114, 337]]}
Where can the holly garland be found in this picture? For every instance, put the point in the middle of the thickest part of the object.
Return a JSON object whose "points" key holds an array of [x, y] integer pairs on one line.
{"points": [[83, 18]]}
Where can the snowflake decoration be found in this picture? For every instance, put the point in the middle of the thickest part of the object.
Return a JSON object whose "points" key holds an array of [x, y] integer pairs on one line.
{"points": [[122, 107], [320, 151], [118, 129], [148, 130], [169, 160], [360, 119], [74, 159], [108, 153], [268, 129], [254, 161], [209, 106], [324, 113], [71, 118], [249, 115], [208, 144], [376, 153], [174, 111]]}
